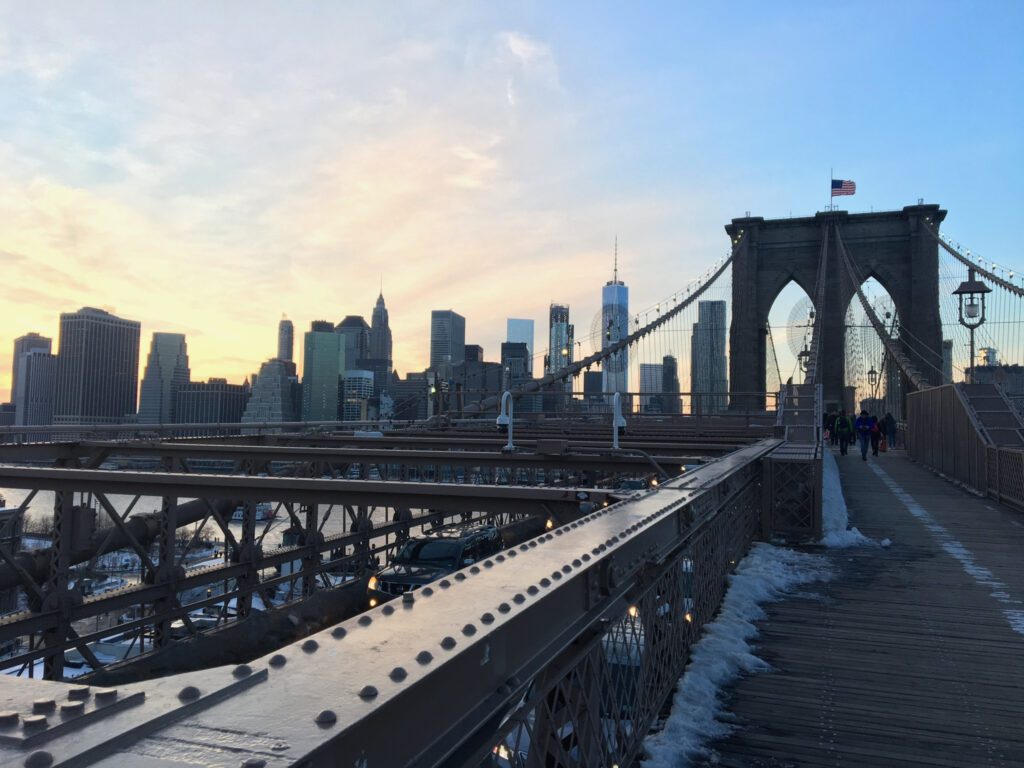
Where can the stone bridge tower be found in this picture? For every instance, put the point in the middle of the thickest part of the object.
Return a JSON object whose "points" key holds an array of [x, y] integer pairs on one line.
{"points": [[891, 246]]}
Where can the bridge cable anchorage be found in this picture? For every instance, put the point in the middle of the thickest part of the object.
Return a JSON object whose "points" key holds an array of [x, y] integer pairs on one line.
{"points": [[1004, 284], [902, 361], [579, 366]]}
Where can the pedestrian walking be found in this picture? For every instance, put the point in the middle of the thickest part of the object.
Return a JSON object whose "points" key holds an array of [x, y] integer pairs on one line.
{"points": [[876, 434], [862, 427], [889, 429], [843, 429]]}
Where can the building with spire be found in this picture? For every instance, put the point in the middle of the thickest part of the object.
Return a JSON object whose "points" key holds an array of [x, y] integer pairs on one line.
{"points": [[379, 360], [614, 328], [166, 372]]}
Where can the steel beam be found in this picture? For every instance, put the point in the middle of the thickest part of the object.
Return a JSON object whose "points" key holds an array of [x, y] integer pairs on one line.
{"points": [[432, 668]]}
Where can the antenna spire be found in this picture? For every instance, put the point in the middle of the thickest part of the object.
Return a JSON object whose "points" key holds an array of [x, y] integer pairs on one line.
{"points": [[615, 275]]}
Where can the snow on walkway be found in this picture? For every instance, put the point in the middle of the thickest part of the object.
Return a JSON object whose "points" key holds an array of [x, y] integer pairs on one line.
{"points": [[724, 652], [835, 522]]}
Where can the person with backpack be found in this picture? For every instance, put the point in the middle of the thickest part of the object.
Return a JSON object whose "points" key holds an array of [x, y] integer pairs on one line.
{"points": [[843, 429], [862, 427]]}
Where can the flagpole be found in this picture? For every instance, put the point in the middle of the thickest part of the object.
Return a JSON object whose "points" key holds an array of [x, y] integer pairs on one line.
{"points": [[831, 178]]}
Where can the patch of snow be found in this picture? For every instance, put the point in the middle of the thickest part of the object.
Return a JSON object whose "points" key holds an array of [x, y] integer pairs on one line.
{"points": [[835, 521], [767, 574]]}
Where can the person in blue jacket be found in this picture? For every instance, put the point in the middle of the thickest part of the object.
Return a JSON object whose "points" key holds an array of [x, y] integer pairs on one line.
{"points": [[863, 427]]}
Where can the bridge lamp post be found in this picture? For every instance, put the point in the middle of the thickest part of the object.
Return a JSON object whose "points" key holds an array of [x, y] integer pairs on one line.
{"points": [[505, 419], [872, 378], [971, 295]]}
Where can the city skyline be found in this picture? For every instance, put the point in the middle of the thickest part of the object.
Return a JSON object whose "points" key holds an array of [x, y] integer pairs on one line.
{"points": [[167, 175]]}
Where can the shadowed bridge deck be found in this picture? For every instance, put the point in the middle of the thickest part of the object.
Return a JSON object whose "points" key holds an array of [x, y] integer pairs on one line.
{"points": [[911, 655]]}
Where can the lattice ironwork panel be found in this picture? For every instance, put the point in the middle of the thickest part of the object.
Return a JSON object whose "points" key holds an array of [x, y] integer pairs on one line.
{"points": [[795, 498], [594, 705]]}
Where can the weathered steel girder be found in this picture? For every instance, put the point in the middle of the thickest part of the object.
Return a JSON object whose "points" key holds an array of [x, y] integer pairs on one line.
{"points": [[446, 665]]}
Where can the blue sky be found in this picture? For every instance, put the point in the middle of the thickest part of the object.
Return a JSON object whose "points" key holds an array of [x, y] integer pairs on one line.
{"points": [[204, 168]]}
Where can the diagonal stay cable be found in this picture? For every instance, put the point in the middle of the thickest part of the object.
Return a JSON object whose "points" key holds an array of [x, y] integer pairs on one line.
{"points": [[909, 369]]}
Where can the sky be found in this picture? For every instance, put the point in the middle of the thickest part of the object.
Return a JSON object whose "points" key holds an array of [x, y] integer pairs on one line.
{"points": [[205, 168]]}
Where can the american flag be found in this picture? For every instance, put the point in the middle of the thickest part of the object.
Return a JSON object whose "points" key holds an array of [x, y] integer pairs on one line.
{"points": [[843, 187]]}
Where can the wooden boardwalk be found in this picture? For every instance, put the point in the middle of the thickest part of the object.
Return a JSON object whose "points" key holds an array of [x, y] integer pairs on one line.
{"points": [[907, 657]]}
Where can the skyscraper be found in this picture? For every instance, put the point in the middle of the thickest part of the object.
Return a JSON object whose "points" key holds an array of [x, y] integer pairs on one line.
{"points": [[670, 385], [614, 328], [285, 339], [356, 335], [520, 331], [447, 338], [211, 402], [708, 381], [275, 396], [323, 364], [651, 381], [34, 378], [380, 361], [358, 389], [166, 372], [97, 368], [560, 341], [22, 346]]}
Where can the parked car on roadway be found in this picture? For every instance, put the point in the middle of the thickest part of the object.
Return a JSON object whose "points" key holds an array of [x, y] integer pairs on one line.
{"points": [[428, 557]]}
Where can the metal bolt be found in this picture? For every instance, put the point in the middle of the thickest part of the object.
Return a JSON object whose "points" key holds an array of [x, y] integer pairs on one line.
{"points": [[387, 610], [475, 569], [339, 632], [72, 707], [504, 608], [326, 717], [488, 563], [556, 575], [43, 705], [448, 643], [368, 692], [33, 721], [188, 693], [460, 577], [519, 598], [254, 762], [424, 657], [586, 558], [8, 717], [310, 645], [566, 569], [512, 553], [79, 693], [365, 621], [577, 562], [278, 660], [469, 630], [545, 582], [242, 670], [408, 599], [444, 583], [39, 759], [427, 591], [500, 558], [523, 547], [533, 543], [487, 618], [532, 589], [105, 695], [558, 532], [398, 674]]}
